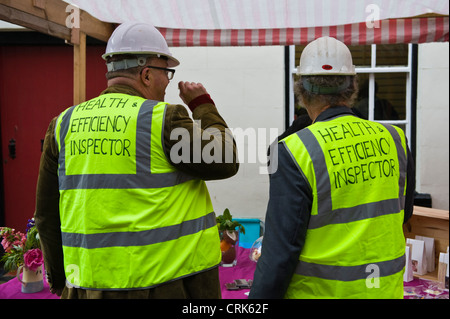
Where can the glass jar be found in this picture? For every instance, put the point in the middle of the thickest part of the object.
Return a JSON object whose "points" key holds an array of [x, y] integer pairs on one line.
{"points": [[255, 250], [229, 245]]}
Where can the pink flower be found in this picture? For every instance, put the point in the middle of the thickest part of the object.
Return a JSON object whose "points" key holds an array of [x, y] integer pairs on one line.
{"points": [[33, 259], [12, 238], [6, 245]]}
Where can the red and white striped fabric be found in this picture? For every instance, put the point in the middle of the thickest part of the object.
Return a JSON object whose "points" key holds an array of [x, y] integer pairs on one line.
{"points": [[419, 30], [280, 22]]}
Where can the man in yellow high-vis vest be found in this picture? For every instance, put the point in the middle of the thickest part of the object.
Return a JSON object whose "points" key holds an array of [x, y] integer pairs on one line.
{"points": [[122, 208], [341, 191]]}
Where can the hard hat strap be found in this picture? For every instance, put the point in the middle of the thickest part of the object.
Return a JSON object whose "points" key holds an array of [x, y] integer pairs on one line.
{"points": [[325, 90], [126, 64]]}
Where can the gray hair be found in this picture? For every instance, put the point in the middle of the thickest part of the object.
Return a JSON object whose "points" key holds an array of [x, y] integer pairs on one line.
{"points": [[321, 90]]}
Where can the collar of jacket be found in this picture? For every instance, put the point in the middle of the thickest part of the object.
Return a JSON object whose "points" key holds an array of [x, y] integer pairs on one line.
{"points": [[124, 89], [334, 111]]}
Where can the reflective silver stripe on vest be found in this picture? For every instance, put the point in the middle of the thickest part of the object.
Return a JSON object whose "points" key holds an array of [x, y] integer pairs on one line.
{"points": [[352, 214], [402, 161], [143, 177], [350, 273], [326, 215], [323, 183], [142, 238]]}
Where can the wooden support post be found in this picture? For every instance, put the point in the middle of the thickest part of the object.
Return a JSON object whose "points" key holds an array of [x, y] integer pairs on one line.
{"points": [[79, 68]]}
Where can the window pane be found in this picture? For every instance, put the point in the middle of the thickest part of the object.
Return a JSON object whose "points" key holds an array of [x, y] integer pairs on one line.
{"points": [[298, 54], [361, 105], [392, 54], [402, 126], [361, 55], [389, 95]]}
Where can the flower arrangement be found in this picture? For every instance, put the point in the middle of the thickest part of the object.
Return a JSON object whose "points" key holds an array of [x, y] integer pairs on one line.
{"points": [[21, 249]]}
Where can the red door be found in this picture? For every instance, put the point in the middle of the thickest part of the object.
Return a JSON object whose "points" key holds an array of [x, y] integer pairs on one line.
{"points": [[36, 84]]}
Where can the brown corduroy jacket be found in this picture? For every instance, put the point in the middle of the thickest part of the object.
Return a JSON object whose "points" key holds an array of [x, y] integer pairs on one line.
{"points": [[206, 116]]}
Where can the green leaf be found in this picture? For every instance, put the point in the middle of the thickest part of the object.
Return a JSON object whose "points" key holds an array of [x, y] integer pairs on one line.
{"points": [[226, 214], [226, 222]]}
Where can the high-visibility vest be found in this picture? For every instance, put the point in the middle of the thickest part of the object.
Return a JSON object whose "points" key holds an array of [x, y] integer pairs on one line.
{"points": [[354, 246], [129, 219]]}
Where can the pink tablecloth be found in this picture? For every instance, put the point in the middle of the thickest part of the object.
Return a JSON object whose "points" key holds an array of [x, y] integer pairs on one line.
{"points": [[244, 269], [424, 289], [12, 290]]}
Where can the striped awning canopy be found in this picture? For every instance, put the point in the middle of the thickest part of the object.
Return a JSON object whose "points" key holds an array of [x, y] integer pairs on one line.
{"points": [[281, 22]]}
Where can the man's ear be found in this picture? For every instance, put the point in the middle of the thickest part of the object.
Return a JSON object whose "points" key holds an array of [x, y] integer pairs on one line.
{"points": [[146, 76]]}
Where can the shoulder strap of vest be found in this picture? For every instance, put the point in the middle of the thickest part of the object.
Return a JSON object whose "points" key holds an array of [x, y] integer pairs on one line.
{"points": [[58, 125], [402, 160]]}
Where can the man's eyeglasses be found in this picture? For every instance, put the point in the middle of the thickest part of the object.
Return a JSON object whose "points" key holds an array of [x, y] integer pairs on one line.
{"points": [[169, 72]]}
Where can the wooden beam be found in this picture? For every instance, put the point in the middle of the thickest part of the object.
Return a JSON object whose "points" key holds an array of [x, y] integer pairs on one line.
{"points": [[79, 69], [34, 22], [39, 3], [95, 28], [50, 17], [431, 212]]}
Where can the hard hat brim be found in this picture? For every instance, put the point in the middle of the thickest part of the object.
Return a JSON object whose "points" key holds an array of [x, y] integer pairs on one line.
{"points": [[325, 73]]}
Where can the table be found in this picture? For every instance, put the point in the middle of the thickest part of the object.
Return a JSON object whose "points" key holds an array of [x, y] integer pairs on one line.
{"points": [[12, 290], [423, 289], [244, 269]]}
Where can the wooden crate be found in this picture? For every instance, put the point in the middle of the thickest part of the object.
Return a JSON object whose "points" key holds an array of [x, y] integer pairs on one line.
{"points": [[430, 222]]}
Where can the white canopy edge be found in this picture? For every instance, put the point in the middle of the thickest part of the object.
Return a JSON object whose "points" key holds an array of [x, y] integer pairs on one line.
{"points": [[256, 14]]}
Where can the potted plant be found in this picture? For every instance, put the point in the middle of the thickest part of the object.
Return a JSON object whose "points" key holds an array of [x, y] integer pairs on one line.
{"points": [[229, 230]]}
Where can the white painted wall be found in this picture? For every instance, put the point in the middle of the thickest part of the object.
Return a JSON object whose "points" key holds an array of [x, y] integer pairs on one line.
{"points": [[433, 123], [247, 85]]}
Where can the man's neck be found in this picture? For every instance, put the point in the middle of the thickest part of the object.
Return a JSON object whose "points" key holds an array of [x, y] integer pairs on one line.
{"points": [[314, 113], [127, 82]]}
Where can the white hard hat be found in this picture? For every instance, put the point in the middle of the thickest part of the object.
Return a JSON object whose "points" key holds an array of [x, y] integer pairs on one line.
{"points": [[137, 38], [326, 56]]}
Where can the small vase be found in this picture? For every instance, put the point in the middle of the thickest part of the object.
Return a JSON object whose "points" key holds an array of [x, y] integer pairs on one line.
{"points": [[229, 245], [32, 280]]}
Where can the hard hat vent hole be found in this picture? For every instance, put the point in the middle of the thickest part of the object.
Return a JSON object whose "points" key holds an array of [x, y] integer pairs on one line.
{"points": [[327, 67]]}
